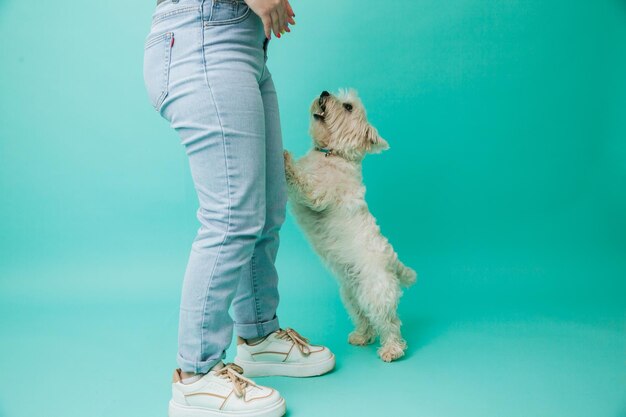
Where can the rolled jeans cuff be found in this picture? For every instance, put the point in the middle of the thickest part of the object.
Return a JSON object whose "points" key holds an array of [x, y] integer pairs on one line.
{"points": [[201, 367], [249, 331]]}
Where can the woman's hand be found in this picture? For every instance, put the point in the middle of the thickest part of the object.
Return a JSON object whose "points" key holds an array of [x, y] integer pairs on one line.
{"points": [[276, 15]]}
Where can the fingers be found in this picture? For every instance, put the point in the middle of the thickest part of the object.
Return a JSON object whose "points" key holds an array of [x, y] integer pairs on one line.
{"points": [[283, 17], [278, 19], [267, 26], [290, 13], [276, 23]]}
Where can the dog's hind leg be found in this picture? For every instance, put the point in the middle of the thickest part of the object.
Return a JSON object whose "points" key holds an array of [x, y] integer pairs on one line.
{"points": [[363, 333], [378, 297]]}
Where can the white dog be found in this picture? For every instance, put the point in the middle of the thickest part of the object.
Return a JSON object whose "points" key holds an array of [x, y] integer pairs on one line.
{"points": [[328, 200]]}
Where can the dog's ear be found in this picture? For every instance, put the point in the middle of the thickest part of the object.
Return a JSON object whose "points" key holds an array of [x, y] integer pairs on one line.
{"points": [[375, 144]]}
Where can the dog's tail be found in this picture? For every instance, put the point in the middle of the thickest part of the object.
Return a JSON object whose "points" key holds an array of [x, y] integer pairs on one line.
{"points": [[405, 275]]}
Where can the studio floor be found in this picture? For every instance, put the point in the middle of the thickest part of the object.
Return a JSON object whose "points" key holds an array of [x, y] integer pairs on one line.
{"points": [[97, 337]]}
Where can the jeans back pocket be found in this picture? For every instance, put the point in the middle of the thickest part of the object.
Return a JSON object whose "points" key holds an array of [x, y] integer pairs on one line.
{"points": [[156, 66]]}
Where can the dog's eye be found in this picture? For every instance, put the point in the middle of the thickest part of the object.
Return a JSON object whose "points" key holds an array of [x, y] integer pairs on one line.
{"points": [[347, 106]]}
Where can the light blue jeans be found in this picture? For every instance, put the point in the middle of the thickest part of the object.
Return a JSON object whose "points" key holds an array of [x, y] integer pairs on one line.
{"points": [[205, 72]]}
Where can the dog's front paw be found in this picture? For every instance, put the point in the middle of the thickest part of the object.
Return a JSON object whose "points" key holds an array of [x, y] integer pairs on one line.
{"points": [[391, 351], [290, 172], [357, 338], [288, 159]]}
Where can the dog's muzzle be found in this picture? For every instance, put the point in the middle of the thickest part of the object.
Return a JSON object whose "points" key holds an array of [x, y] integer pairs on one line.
{"points": [[322, 103]]}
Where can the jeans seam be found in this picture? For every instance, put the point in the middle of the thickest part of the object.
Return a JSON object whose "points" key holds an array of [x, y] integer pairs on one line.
{"points": [[166, 70], [166, 15], [219, 251], [262, 74], [155, 39], [257, 310]]}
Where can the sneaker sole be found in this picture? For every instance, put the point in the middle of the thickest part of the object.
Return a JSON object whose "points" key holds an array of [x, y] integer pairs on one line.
{"points": [[297, 370], [178, 410]]}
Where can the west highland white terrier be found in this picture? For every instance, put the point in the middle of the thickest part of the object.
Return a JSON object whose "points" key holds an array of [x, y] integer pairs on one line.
{"points": [[327, 197]]}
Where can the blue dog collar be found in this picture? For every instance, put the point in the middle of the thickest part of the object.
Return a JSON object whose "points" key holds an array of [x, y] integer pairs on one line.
{"points": [[325, 151]]}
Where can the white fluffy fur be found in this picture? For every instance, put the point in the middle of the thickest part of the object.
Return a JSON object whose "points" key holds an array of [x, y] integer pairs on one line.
{"points": [[327, 197]]}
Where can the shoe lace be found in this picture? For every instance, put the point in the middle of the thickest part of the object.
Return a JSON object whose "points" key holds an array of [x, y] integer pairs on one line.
{"points": [[300, 341], [234, 373]]}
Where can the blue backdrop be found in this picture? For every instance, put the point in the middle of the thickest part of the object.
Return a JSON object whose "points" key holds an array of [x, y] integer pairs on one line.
{"points": [[504, 188]]}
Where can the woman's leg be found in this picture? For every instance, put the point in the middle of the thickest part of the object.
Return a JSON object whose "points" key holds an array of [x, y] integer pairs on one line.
{"points": [[228, 173], [257, 297], [215, 104]]}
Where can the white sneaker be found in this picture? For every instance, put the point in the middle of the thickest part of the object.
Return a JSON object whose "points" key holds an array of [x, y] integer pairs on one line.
{"points": [[284, 353], [223, 392]]}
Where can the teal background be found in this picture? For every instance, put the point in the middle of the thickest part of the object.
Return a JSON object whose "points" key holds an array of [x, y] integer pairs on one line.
{"points": [[504, 188]]}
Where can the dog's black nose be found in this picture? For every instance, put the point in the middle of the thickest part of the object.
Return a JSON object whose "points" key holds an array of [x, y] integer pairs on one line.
{"points": [[324, 94]]}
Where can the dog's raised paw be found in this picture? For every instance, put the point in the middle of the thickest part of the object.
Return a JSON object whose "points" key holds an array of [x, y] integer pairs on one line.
{"points": [[289, 168], [391, 352], [359, 339]]}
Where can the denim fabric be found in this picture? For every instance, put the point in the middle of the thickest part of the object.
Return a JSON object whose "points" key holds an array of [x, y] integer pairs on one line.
{"points": [[205, 72]]}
